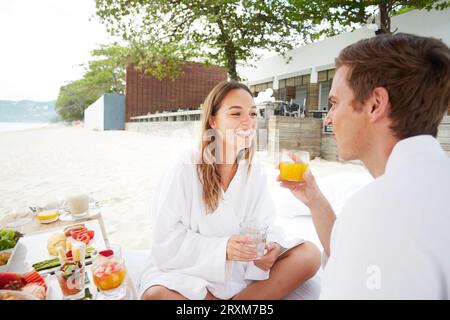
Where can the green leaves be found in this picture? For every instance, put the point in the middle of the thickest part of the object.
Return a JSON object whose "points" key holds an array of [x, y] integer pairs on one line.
{"points": [[162, 34], [104, 74], [331, 17], [223, 32], [8, 239]]}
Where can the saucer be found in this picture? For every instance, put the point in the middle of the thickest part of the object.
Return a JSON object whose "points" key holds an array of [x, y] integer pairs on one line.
{"points": [[67, 216]]}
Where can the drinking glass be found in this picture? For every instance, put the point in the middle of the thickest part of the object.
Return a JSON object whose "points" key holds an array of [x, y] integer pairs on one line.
{"points": [[257, 232], [71, 280], [109, 272], [71, 274], [291, 171]]}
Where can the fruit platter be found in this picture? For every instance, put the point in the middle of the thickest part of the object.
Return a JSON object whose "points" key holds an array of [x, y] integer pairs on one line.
{"points": [[43, 251]]}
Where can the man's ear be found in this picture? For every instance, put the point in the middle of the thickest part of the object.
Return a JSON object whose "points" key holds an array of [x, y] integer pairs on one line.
{"points": [[379, 104], [212, 122]]}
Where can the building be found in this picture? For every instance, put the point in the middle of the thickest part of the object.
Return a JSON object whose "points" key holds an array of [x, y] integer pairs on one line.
{"points": [[107, 113], [310, 72], [148, 95]]}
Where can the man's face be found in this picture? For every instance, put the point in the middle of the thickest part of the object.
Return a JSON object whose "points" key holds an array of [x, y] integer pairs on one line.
{"points": [[349, 125]]}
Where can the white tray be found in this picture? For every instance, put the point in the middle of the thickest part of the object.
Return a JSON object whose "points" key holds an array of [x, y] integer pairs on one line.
{"points": [[32, 247]]}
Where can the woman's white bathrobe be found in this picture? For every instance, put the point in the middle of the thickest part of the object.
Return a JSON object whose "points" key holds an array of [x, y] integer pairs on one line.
{"points": [[189, 246]]}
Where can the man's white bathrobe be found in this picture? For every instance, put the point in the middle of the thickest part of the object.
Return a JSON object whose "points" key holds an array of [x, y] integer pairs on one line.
{"points": [[189, 246]]}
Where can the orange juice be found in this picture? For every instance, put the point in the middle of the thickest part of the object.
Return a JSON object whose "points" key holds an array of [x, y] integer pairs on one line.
{"points": [[292, 171], [109, 275]]}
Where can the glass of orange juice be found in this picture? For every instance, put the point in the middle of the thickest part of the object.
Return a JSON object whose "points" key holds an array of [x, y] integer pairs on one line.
{"points": [[108, 272], [292, 171]]}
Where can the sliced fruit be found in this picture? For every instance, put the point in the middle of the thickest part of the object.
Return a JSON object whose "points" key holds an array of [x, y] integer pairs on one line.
{"points": [[72, 227], [61, 253], [84, 238], [34, 277], [76, 252], [75, 232], [47, 214], [106, 253]]}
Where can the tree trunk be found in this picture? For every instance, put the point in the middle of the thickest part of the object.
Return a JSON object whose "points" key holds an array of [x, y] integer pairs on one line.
{"points": [[230, 52], [385, 19], [231, 61]]}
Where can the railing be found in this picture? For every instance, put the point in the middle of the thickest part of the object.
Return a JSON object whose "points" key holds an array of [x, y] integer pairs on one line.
{"points": [[180, 115]]}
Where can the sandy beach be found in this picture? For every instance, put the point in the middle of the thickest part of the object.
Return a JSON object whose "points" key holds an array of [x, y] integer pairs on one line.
{"points": [[119, 169]]}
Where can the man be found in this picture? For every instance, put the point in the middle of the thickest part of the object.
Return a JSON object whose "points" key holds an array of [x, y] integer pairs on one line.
{"points": [[392, 238]]}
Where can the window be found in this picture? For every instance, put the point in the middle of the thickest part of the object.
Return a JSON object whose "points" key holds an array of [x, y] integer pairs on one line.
{"points": [[260, 87], [324, 78], [290, 82], [301, 93], [324, 90], [306, 79]]}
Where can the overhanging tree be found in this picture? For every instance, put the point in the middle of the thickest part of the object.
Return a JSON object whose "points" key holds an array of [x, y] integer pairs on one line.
{"points": [[331, 17], [223, 32], [104, 74]]}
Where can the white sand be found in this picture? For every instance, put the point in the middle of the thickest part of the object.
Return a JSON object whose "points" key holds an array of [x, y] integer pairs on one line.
{"points": [[120, 169]]}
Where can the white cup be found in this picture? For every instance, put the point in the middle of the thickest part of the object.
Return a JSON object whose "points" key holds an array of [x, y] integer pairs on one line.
{"points": [[78, 205]]}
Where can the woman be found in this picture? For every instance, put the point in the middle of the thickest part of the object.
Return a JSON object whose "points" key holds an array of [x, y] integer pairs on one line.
{"points": [[197, 252]]}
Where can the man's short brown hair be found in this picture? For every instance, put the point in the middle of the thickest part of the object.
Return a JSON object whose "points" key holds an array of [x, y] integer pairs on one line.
{"points": [[414, 70]]}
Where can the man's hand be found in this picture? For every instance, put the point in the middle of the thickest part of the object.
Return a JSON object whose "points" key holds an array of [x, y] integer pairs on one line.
{"points": [[307, 191], [267, 261], [239, 248]]}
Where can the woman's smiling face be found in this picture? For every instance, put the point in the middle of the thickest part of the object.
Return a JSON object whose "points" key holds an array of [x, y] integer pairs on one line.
{"points": [[235, 121]]}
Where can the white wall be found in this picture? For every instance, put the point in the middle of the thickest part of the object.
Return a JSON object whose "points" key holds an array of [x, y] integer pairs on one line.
{"points": [[320, 55], [94, 115]]}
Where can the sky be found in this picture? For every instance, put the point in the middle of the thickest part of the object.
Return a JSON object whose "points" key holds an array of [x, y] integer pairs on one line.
{"points": [[42, 44]]}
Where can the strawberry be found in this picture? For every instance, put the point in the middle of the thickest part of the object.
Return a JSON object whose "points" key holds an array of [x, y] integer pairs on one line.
{"points": [[106, 253], [91, 234]]}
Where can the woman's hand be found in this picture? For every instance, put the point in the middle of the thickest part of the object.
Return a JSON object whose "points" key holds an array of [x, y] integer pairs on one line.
{"points": [[240, 248], [307, 191], [267, 261]]}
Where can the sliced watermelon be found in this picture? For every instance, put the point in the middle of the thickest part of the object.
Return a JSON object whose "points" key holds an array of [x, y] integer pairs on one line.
{"points": [[83, 238], [75, 232], [34, 277]]}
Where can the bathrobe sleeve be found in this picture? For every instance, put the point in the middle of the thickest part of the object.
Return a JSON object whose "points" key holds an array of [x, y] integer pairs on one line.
{"points": [[177, 248]]}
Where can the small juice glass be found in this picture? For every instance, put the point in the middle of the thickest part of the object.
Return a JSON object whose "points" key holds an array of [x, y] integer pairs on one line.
{"points": [[291, 171]]}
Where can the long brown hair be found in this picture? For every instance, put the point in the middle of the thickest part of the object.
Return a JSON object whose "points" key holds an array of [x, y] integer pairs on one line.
{"points": [[207, 167], [414, 70]]}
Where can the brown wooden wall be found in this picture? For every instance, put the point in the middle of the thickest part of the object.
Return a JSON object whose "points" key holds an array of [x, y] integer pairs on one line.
{"points": [[147, 94]]}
